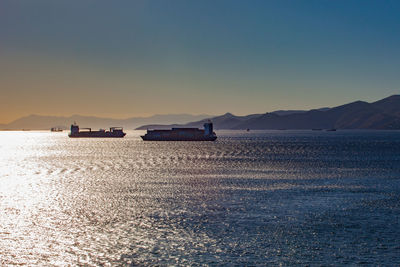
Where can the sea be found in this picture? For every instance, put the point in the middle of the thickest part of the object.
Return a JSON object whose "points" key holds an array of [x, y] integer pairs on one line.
{"points": [[257, 198]]}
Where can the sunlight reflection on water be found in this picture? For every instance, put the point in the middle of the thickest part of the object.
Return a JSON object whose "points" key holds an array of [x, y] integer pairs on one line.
{"points": [[246, 199]]}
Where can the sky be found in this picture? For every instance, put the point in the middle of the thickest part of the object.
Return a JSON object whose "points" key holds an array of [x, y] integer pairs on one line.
{"points": [[128, 58]]}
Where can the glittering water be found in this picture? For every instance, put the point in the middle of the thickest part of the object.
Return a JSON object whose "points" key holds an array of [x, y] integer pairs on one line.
{"points": [[257, 198]]}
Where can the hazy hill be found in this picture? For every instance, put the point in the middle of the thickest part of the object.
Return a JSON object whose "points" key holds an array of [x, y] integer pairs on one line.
{"points": [[226, 121], [290, 112], [38, 122], [389, 105], [382, 114]]}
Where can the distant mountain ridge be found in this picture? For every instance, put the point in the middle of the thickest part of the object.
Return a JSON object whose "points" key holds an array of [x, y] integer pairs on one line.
{"points": [[382, 114], [38, 122]]}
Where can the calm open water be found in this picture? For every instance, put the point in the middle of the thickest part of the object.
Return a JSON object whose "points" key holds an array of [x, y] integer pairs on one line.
{"points": [[257, 198]]}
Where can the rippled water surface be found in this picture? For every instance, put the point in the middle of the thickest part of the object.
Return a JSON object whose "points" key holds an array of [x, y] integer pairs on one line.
{"points": [[257, 198]]}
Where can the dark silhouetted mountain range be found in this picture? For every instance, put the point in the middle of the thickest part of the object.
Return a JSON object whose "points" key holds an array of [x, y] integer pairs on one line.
{"points": [[382, 114]]}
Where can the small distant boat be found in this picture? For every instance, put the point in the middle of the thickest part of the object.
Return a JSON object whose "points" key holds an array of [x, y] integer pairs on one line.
{"points": [[248, 130], [116, 132], [56, 129], [331, 130]]}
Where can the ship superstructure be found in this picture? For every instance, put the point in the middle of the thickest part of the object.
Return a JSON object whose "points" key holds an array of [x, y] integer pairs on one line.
{"points": [[182, 134]]}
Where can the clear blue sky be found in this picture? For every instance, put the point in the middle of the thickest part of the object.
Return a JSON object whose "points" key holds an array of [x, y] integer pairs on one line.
{"points": [[133, 58]]}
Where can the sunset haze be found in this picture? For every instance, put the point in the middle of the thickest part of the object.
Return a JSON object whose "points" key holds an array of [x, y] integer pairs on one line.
{"points": [[138, 58]]}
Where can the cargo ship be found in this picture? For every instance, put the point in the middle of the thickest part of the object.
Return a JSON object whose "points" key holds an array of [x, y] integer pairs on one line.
{"points": [[56, 129], [113, 132], [182, 134]]}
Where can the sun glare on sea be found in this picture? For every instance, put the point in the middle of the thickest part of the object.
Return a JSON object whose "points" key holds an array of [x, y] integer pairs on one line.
{"points": [[24, 192]]}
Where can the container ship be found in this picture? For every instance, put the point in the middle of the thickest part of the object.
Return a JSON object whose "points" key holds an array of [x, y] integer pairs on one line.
{"points": [[182, 134], [113, 132]]}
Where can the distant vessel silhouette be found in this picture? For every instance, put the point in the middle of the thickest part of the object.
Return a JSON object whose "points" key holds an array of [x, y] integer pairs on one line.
{"points": [[113, 132], [56, 129], [182, 134]]}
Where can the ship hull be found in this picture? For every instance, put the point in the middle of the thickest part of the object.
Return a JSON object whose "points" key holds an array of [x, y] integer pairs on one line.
{"points": [[204, 138], [96, 135]]}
